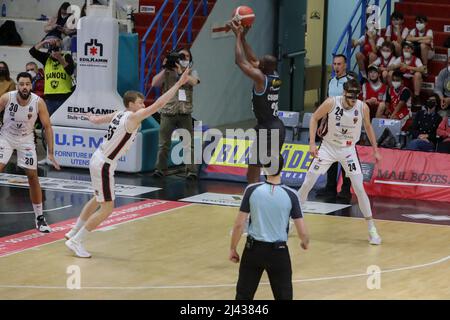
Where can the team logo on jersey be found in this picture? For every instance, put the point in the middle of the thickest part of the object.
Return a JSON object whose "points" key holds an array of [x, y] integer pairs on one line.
{"points": [[316, 167], [344, 131], [54, 84], [30, 109], [349, 143], [355, 120], [30, 116]]}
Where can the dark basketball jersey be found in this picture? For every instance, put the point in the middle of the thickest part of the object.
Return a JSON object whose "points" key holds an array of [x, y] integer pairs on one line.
{"points": [[265, 104]]}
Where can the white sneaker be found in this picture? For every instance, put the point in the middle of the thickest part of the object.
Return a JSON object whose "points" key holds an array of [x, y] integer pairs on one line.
{"points": [[374, 237], [78, 249]]}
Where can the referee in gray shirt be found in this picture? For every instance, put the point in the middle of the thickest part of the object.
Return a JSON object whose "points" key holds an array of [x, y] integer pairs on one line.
{"points": [[270, 205]]}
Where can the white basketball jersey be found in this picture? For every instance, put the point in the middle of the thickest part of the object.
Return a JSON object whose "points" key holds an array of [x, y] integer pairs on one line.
{"points": [[19, 120], [117, 140], [344, 126]]}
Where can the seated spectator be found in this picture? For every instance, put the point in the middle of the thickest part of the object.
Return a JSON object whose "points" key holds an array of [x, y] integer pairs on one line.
{"points": [[424, 127], [386, 61], [56, 27], [422, 37], [370, 42], [398, 102], [6, 83], [412, 70], [373, 91], [58, 70], [442, 87], [443, 132], [396, 32], [37, 83]]}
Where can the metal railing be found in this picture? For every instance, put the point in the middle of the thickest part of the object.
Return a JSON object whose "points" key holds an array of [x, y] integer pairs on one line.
{"points": [[346, 47], [151, 58]]}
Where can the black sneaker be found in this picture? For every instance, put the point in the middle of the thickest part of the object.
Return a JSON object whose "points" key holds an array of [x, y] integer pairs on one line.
{"points": [[158, 174], [344, 197], [326, 193], [42, 225]]}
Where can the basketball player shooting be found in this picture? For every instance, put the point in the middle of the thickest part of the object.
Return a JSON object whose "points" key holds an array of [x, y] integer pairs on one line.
{"points": [[265, 98], [22, 108], [346, 115], [122, 130]]}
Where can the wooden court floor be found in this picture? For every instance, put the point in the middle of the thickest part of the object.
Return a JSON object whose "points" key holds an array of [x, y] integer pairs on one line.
{"points": [[183, 254]]}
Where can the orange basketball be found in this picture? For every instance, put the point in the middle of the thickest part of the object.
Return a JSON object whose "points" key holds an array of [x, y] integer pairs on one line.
{"points": [[245, 15]]}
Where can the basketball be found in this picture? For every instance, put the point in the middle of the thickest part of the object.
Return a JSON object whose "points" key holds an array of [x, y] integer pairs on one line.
{"points": [[245, 15]]}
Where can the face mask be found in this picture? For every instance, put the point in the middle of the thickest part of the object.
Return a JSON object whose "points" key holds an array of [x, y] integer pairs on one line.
{"points": [[396, 84], [184, 63], [420, 26], [32, 73], [407, 54], [385, 54]]}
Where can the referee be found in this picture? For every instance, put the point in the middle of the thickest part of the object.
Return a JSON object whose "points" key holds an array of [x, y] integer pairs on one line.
{"points": [[270, 205]]}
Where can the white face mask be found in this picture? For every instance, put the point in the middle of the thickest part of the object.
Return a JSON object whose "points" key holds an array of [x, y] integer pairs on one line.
{"points": [[184, 63], [396, 84], [385, 54], [32, 73], [420, 26], [407, 54]]}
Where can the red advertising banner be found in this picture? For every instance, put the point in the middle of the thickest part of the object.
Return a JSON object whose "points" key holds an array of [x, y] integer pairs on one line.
{"points": [[406, 174]]}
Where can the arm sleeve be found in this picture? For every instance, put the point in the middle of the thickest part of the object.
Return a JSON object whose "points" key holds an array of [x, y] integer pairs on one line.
{"points": [[70, 68], [296, 210], [245, 204], [39, 55]]}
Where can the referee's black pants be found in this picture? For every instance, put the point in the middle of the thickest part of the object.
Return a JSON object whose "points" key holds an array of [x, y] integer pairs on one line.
{"points": [[276, 262]]}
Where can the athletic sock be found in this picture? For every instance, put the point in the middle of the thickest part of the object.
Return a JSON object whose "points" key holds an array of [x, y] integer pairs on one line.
{"points": [[79, 237], [37, 208]]}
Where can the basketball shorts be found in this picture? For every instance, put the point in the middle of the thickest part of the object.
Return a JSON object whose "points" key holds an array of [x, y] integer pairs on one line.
{"points": [[26, 150], [102, 177], [329, 154], [269, 140]]}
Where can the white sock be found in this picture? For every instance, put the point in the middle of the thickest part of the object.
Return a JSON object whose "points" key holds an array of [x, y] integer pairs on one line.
{"points": [[79, 237], [371, 224], [78, 225], [37, 208]]}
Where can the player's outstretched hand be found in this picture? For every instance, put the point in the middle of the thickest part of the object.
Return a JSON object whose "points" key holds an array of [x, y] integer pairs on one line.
{"points": [[235, 26], [54, 162], [185, 76]]}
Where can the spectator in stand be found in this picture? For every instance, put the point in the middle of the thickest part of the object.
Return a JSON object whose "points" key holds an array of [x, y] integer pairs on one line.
{"points": [[37, 83], [422, 39], [396, 32], [386, 61], [56, 27], [6, 83], [442, 87], [443, 132], [370, 42], [412, 69], [58, 70], [373, 91], [398, 102], [425, 125]]}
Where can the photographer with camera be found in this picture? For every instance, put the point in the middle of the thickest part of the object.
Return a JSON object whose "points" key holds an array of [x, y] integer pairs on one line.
{"points": [[58, 70], [177, 114]]}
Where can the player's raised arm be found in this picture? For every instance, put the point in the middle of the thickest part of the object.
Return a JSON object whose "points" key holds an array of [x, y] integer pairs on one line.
{"points": [[101, 119], [250, 71], [137, 117]]}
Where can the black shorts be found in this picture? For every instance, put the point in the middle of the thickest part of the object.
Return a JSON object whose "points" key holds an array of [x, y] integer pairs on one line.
{"points": [[275, 127]]}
